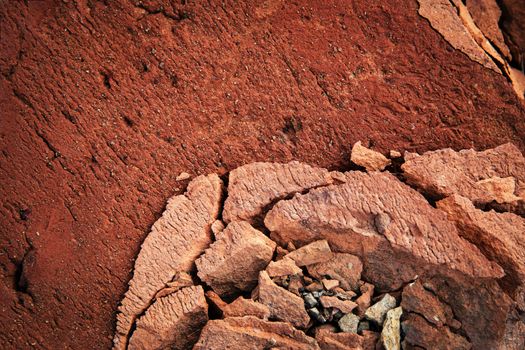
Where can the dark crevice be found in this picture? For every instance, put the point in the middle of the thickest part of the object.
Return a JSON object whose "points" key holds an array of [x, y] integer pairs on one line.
{"points": [[517, 61], [53, 149]]}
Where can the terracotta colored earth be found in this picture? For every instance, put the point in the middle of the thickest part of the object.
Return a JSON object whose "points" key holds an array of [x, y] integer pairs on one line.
{"points": [[104, 104]]}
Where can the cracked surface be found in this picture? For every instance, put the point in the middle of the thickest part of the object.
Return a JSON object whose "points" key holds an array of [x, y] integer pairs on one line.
{"points": [[104, 103]]}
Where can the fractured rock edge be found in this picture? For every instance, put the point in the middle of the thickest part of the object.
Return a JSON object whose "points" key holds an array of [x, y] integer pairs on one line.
{"points": [[380, 225]]}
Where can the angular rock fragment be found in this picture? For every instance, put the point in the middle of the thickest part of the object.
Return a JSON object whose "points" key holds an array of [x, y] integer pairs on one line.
{"points": [[418, 300], [283, 267], [246, 307], [468, 173], [349, 323], [346, 306], [419, 332], [330, 284], [500, 236], [254, 186], [175, 241], [391, 333], [240, 333], [215, 301], [232, 263], [444, 18], [367, 158], [345, 268], [364, 300], [417, 238], [313, 253], [377, 312], [283, 304], [172, 322]]}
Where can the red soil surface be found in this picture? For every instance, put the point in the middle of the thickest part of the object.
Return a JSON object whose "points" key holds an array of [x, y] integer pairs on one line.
{"points": [[104, 103]]}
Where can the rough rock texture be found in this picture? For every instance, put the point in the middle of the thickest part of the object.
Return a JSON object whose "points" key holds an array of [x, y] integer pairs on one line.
{"points": [[175, 241], [419, 332], [445, 172], [391, 333], [313, 253], [348, 323], [486, 14], [500, 236], [367, 158], [329, 340], [377, 312], [345, 268], [233, 261], [246, 307], [283, 267], [241, 333], [444, 18], [347, 215], [345, 306], [172, 322], [283, 304], [418, 300], [254, 186], [104, 103]]}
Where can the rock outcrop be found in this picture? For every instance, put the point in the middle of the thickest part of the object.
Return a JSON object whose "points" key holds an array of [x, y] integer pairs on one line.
{"points": [[386, 223], [175, 241]]}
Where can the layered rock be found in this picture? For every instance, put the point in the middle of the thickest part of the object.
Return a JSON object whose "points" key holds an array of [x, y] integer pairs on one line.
{"points": [[384, 222], [175, 241], [500, 236], [172, 322], [254, 186], [240, 333], [483, 177], [232, 263]]}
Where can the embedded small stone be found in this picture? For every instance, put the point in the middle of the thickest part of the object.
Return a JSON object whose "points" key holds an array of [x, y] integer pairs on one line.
{"points": [[182, 176], [395, 154], [364, 300], [309, 300], [330, 284], [370, 160], [346, 268], [346, 306], [349, 323], [314, 286], [390, 335], [377, 312]]}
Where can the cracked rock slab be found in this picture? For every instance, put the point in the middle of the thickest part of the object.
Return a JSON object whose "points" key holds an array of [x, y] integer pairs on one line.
{"points": [[240, 333], [175, 241], [232, 263], [446, 172], [254, 186], [172, 322], [416, 236]]}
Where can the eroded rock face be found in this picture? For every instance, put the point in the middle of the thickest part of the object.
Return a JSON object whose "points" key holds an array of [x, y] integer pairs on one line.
{"points": [[500, 236], [254, 186], [175, 241], [232, 263], [347, 216], [446, 172], [240, 333], [172, 322]]}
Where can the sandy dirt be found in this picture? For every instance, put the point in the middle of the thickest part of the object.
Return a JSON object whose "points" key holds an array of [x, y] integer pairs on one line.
{"points": [[104, 104]]}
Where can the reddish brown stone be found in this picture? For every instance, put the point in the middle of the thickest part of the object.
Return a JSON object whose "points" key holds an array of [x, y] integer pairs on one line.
{"points": [[246, 307], [214, 300], [172, 322], [254, 186], [367, 158], [346, 306], [312, 253], [166, 249], [500, 236], [283, 304], [386, 223], [345, 268], [418, 300], [365, 299], [419, 332], [232, 263], [445, 172], [283, 267], [329, 340], [240, 333]]}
